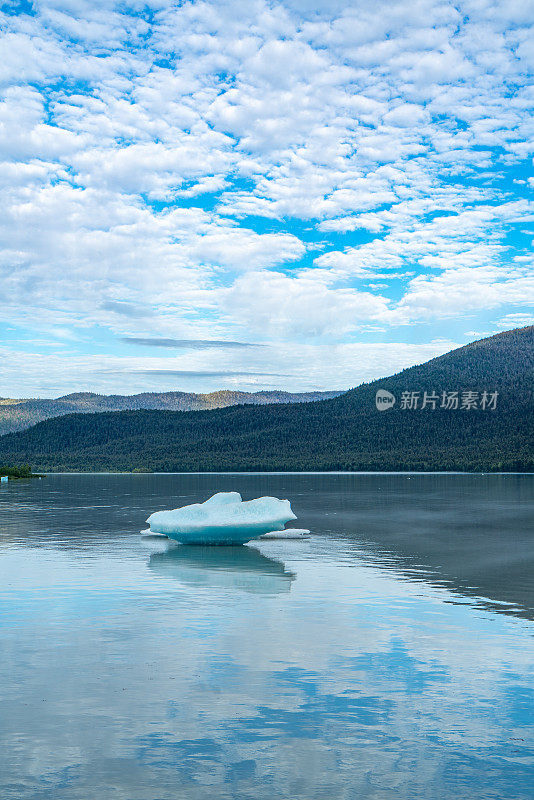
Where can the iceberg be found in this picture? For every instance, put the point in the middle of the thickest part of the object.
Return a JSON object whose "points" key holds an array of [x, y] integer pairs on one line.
{"points": [[223, 519], [288, 533]]}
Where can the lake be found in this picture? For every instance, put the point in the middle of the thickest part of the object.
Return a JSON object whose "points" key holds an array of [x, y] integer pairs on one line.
{"points": [[391, 655]]}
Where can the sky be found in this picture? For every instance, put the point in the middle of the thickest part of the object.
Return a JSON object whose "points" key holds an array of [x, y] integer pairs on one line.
{"points": [[255, 195]]}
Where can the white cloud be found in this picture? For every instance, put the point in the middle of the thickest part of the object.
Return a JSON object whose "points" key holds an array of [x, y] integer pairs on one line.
{"points": [[515, 321], [279, 306], [303, 368]]}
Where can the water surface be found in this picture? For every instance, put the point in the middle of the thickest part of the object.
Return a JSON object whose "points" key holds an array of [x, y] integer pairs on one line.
{"points": [[389, 656]]}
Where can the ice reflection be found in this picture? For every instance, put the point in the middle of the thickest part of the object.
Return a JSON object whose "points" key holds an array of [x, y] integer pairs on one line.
{"points": [[242, 568]]}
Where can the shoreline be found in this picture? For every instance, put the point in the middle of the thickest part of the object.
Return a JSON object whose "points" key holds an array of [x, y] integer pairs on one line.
{"points": [[304, 472]]}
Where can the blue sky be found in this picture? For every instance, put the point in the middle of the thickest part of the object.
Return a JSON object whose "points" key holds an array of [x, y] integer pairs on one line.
{"points": [[336, 190]]}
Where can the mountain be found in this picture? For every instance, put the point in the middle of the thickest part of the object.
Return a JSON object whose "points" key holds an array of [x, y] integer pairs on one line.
{"points": [[16, 415], [343, 433]]}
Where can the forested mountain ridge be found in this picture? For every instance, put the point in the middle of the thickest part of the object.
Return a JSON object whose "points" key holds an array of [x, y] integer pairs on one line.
{"points": [[344, 433], [16, 415]]}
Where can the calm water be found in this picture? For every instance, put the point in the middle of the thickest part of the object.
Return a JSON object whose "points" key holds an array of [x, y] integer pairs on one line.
{"points": [[390, 656]]}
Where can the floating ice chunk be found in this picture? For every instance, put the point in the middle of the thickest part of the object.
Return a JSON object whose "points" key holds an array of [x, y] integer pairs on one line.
{"points": [[288, 533], [223, 519], [148, 534]]}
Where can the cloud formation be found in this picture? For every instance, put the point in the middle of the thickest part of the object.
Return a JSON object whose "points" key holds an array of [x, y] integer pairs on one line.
{"points": [[186, 344], [290, 172]]}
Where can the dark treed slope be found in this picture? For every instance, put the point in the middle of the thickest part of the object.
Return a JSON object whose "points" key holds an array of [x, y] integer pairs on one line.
{"points": [[346, 432], [15, 415]]}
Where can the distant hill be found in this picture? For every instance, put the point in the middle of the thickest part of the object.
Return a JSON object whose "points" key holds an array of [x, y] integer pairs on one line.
{"points": [[343, 433], [16, 415]]}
